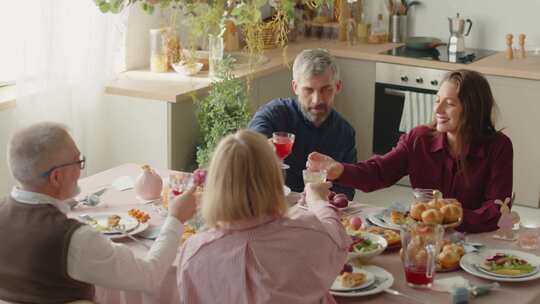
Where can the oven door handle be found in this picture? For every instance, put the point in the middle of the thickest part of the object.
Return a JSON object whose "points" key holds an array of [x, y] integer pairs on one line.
{"points": [[394, 92]]}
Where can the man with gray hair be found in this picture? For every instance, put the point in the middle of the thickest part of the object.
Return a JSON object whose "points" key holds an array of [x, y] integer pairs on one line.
{"points": [[46, 257], [317, 127]]}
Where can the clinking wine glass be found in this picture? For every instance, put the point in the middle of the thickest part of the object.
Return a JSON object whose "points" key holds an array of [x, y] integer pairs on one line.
{"points": [[178, 184], [283, 142]]}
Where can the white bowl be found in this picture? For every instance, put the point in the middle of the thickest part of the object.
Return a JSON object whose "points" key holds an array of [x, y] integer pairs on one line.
{"points": [[187, 69], [375, 238]]}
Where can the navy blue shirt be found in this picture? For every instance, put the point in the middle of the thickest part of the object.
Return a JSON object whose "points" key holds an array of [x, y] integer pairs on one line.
{"points": [[335, 138]]}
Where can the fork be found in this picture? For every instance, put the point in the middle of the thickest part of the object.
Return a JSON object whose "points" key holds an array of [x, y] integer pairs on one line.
{"points": [[122, 230], [397, 293]]}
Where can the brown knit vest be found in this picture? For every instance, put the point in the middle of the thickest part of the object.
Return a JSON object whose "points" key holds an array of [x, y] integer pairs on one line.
{"points": [[34, 243]]}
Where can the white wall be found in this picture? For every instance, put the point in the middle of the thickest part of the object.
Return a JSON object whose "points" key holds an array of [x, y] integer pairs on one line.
{"points": [[492, 20]]}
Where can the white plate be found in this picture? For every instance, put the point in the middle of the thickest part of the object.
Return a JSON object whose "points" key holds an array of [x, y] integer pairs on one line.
{"points": [[378, 273], [286, 190], [142, 227], [337, 286], [375, 238], [132, 225], [470, 261], [378, 220]]}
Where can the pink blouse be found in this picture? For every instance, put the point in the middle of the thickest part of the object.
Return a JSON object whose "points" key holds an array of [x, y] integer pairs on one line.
{"points": [[293, 259]]}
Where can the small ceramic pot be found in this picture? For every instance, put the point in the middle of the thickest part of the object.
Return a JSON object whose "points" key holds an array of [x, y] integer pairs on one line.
{"points": [[148, 184]]}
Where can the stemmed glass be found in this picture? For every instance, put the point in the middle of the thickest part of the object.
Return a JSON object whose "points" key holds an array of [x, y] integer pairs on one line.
{"points": [[178, 183], [283, 142]]}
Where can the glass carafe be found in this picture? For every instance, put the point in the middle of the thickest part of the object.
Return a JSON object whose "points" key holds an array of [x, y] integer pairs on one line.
{"points": [[421, 244]]}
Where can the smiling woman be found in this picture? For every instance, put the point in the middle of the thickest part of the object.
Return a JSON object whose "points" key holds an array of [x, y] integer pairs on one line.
{"points": [[460, 153]]}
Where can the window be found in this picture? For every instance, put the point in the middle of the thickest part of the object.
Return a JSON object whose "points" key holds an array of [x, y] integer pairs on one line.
{"points": [[10, 41]]}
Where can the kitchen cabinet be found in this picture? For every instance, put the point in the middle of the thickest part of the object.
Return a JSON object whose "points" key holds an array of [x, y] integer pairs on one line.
{"points": [[356, 101], [519, 111]]}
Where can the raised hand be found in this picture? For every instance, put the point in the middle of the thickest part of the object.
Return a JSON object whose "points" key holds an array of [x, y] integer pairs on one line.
{"points": [[184, 206], [318, 161]]}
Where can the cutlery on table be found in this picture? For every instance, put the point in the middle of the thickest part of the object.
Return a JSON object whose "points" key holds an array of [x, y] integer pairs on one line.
{"points": [[397, 293], [122, 230]]}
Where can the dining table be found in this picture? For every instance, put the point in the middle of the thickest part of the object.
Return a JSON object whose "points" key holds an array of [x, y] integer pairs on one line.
{"points": [[114, 200]]}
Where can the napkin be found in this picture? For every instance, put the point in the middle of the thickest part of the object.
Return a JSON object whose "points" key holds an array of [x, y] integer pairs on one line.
{"points": [[123, 183], [450, 283]]}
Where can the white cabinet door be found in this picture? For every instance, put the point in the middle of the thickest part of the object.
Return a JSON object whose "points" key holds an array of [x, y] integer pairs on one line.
{"points": [[519, 115], [356, 102]]}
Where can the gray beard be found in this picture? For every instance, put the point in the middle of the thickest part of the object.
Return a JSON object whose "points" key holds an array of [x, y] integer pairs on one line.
{"points": [[310, 117]]}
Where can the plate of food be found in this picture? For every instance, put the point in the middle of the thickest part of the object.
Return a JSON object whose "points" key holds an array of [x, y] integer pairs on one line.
{"points": [[115, 225], [352, 278], [382, 281], [366, 245], [392, 237], [507, 266], [502, 265], [381, 219]]}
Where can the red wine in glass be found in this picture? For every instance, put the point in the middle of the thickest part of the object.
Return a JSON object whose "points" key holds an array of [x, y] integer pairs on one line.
{"points": [[283, 142]]}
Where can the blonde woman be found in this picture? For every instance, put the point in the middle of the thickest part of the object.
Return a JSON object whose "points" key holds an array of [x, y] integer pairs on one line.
{"points": [[253, 252]]}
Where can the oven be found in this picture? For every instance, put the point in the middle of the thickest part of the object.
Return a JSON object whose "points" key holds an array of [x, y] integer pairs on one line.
{"points": [[404, 98]]}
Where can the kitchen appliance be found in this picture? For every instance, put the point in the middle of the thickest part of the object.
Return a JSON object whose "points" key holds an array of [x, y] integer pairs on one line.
{"points": [[440, 53], [456, 42], [404, 98]]}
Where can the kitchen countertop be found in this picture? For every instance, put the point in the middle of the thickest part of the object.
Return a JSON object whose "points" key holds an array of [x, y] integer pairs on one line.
{"points": [[172, 87]]}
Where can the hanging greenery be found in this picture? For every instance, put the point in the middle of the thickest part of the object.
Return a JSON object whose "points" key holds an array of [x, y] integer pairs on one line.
{"points": [[206, 17]]}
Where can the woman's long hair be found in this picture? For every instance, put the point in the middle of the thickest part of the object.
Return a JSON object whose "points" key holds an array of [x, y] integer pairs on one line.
{"points": [[476, 122], [244, 181]]}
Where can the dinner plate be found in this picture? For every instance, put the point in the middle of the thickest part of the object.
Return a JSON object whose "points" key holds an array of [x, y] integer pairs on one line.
{"points": [[382, 280], [470, 263], [370, 279], [379, 220], [521, 275], [132, 226], [375, 238]]}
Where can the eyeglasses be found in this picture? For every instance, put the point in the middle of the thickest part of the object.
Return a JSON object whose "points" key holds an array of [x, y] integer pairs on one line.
{"points": [[81, 162]]}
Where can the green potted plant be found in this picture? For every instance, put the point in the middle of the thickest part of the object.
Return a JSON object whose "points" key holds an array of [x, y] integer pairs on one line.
{"points": [[222, 112]]}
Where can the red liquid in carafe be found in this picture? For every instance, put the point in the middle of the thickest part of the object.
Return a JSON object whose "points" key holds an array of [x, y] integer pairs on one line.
{"points": [[417, 276]]}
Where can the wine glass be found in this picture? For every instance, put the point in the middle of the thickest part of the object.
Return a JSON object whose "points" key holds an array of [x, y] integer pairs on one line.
{"points": [[283, 142], [314, 176]]}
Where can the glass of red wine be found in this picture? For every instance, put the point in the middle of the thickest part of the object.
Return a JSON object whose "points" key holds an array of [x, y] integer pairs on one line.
{"points": [[283, 142]]}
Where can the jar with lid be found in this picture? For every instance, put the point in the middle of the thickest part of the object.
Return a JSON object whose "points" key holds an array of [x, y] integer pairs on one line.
{"points": [[158, 50], [379, 33]]}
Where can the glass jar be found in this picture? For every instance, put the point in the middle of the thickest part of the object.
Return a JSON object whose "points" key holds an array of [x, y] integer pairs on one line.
{"points": [[159, 62], [215, 54]]}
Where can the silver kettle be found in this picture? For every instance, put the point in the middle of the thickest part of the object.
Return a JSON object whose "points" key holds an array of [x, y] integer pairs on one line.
{"points": [[456, 43]]}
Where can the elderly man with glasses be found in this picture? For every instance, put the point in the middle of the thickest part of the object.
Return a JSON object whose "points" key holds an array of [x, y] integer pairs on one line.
{"points": [[46, 257]]}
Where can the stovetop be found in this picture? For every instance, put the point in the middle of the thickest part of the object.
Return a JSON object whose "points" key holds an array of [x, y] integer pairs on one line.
{"points": [[440, 54]]}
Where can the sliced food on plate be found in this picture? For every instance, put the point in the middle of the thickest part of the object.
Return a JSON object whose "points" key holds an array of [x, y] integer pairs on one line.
{"points": [[392, 237], [111, 223], [352, 278], [507, 265]]}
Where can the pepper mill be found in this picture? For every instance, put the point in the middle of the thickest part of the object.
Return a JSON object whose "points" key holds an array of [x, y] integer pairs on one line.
{"points": [[522, 51], [509, 50]]}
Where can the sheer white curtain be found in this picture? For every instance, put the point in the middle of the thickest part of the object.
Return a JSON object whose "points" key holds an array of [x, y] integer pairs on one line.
{"points": [[69, 50]]}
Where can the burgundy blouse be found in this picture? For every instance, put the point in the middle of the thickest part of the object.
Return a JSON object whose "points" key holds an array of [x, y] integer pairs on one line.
{"points": [[424, 156]]}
